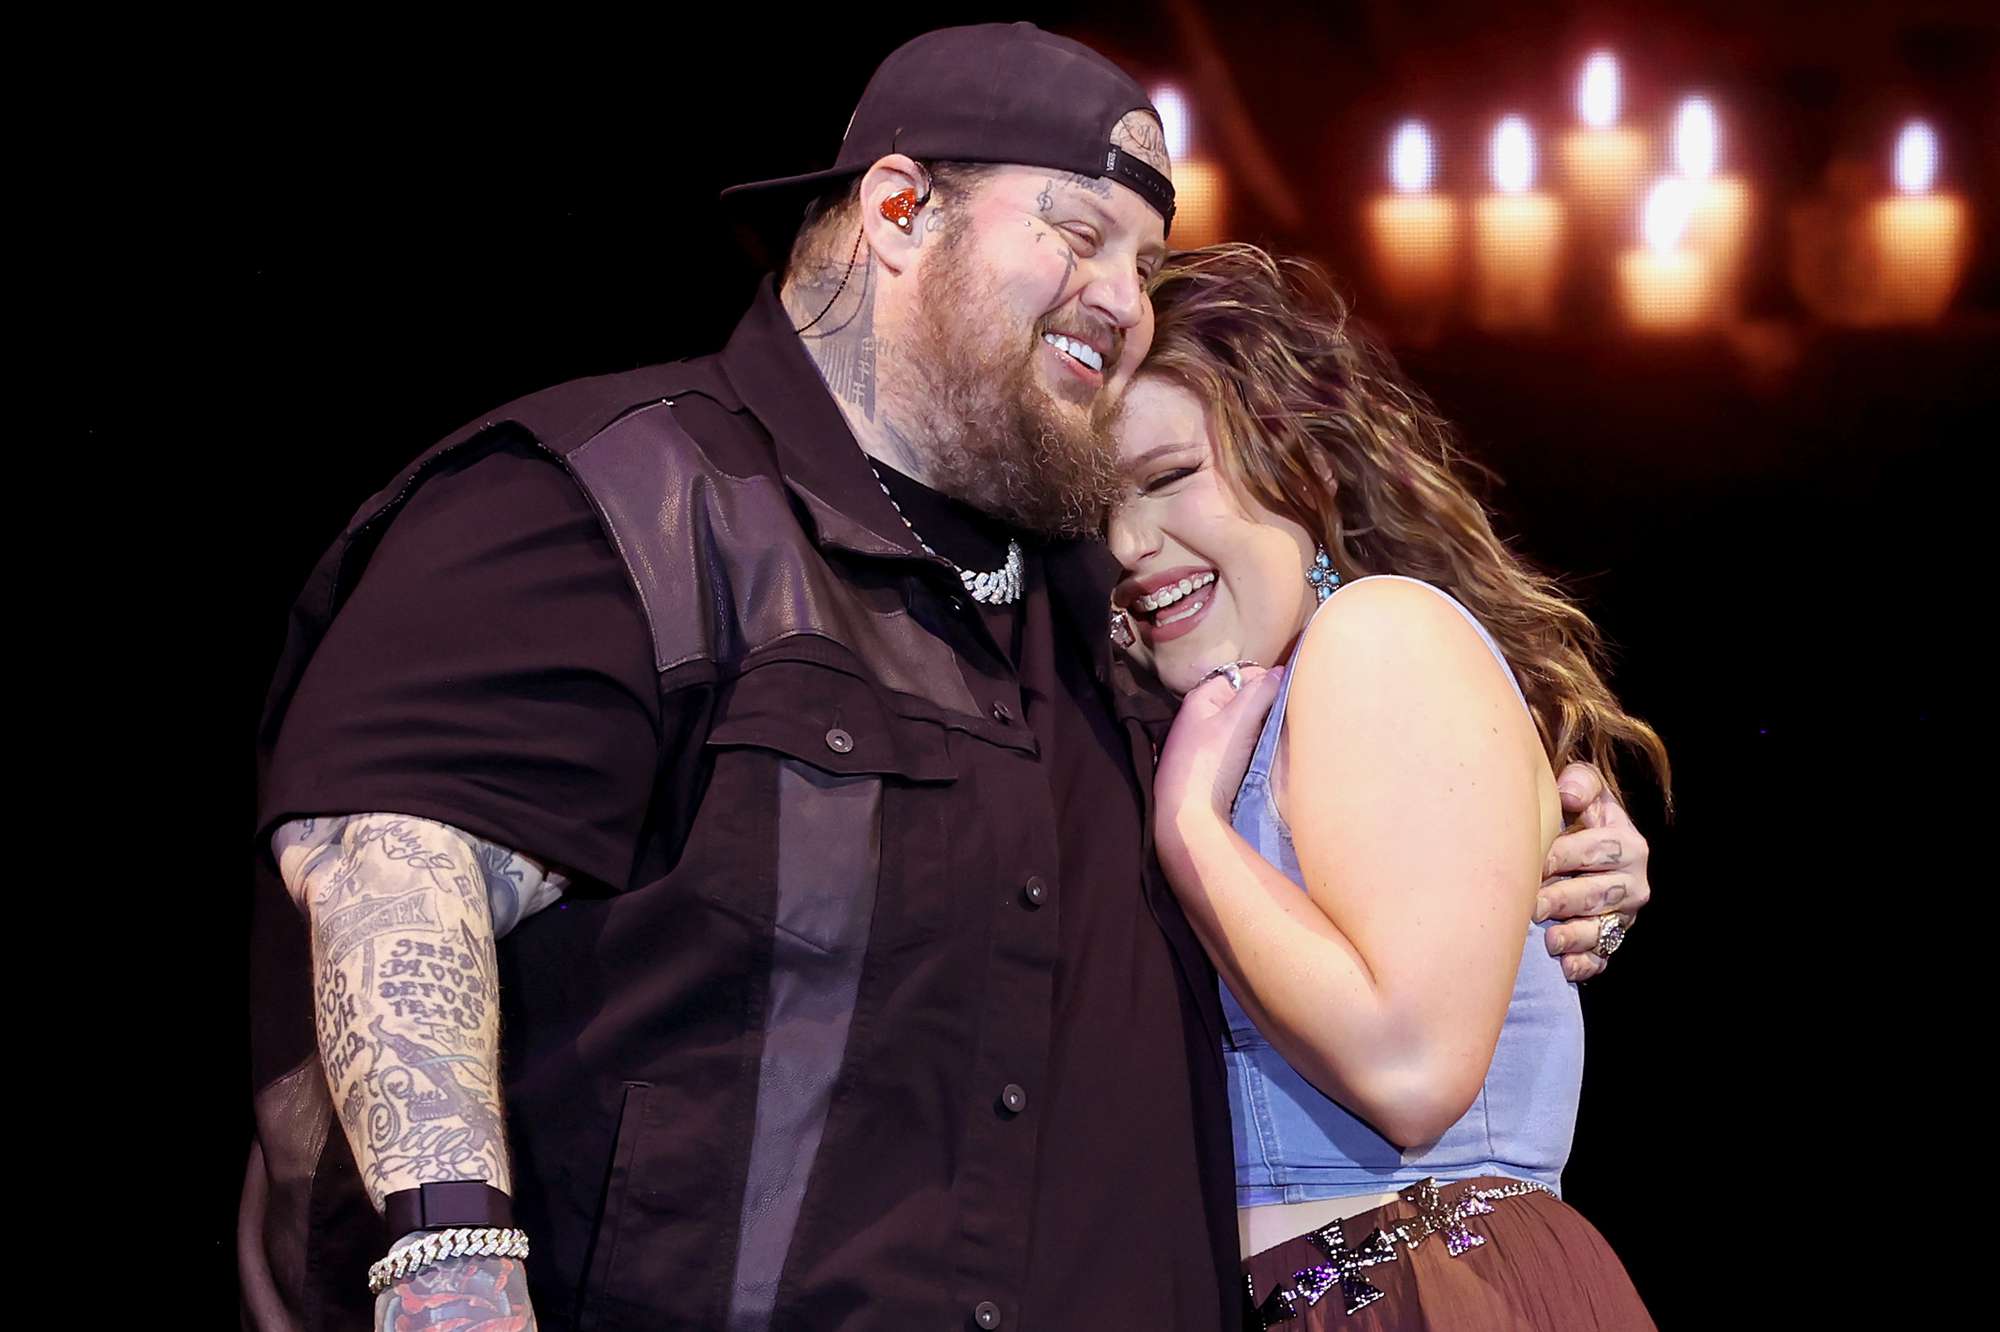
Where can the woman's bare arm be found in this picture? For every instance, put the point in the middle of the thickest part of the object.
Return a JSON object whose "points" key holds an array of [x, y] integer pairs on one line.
{"points": [[1420, 807]]}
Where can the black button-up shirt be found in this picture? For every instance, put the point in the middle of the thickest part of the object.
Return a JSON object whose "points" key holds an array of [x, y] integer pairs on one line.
{"points": [[868, 1011]]}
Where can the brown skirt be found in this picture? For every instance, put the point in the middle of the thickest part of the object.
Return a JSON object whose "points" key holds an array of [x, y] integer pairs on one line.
{"points": [[1543, 1267]]}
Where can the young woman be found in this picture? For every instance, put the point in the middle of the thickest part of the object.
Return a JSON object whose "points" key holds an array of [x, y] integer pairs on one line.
{"points": [[1366, 668]]}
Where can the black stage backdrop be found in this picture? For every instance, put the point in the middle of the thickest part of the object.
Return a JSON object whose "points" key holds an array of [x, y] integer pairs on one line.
{"points": [[416, 225]]}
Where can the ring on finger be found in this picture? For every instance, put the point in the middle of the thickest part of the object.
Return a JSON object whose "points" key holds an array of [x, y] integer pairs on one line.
{"points": [[1610, 934], [1231, 671]]}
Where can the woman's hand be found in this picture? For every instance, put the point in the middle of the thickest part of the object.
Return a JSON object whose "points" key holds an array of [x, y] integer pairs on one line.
{"points": [[1208, 751]]}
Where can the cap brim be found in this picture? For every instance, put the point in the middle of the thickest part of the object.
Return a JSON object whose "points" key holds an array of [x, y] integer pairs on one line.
{"points": [[767, 213]]}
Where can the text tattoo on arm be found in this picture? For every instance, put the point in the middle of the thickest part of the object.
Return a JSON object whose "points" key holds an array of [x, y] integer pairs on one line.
{"points": [[404, 912]]}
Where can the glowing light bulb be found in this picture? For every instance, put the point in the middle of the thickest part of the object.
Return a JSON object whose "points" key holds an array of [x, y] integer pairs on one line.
{"points": [[1597, 91], [1916, 158], [1412, 161], [1695, 139], [1173, 109], [1513, 156]]}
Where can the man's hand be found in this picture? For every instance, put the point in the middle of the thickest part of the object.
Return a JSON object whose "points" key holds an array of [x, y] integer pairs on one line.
{"points": [[1598, 865], [466, 1294]]}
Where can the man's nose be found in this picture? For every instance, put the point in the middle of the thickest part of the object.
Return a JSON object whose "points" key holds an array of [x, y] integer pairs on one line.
{"points": [[1118, 295]]}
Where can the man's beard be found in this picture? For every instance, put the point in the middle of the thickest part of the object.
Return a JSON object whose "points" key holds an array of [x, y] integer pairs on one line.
{"points": [[989, 433]]}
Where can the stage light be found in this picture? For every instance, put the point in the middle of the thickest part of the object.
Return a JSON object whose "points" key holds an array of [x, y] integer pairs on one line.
{"points": [[1201, 189], [1916, 158], [1921, 237], [1415, 234], [1516, 238], [1412, 159], [1513, 156], [1603, 162], [1597, 92], [1173, 109], [1666, 288], [1718, 202]]}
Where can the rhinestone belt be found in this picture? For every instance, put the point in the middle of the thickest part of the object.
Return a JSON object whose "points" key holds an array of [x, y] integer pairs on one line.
{"points": [[1344, 1266]]}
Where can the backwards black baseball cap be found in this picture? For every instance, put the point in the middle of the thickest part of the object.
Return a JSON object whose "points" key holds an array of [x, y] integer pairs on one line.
{"points": [[994, 92]]}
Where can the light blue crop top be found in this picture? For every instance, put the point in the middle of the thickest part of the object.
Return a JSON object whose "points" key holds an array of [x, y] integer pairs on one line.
{"points": [[1295, 1145]]}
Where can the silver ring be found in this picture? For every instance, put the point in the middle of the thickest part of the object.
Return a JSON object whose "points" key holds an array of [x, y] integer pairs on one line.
{"points": [[1231, 671], [1610, 934]]}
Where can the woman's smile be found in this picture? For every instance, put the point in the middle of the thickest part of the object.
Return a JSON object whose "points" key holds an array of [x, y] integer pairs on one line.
{"points": [[1210, 575]]}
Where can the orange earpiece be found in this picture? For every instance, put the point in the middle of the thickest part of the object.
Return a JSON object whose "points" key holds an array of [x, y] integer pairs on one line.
{"points": [[901, 207]]}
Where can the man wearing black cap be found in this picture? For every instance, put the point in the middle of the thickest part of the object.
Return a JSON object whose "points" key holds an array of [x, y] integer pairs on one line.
{"points": [[783, 676]]}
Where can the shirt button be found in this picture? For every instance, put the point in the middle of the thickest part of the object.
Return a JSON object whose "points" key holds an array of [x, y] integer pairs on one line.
{"points": [[1014, 1097], [1035, 892], [839, 741], [956, 603], [987, 1315], [1001, 713]]}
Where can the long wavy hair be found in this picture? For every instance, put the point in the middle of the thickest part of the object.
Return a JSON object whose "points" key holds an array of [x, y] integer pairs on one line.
{"points": [[1315, 422]]}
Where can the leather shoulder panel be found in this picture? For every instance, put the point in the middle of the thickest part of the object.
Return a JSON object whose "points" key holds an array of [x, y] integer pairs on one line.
{"points": [[727, 570]]}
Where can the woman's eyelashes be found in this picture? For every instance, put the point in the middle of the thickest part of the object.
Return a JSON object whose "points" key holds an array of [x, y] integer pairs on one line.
{"points": [[1162, 481]]}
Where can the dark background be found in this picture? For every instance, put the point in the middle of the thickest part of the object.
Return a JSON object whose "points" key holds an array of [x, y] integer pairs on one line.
{"points": [[416, 224]]}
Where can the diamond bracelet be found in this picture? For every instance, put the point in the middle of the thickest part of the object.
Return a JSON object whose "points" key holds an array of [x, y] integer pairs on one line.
{"points": [[479, 1241]]}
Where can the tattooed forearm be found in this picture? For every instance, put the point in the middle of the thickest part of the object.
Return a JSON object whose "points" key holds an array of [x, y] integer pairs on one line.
{"points": [[516, 886], [405, 983], [462, 1294]]}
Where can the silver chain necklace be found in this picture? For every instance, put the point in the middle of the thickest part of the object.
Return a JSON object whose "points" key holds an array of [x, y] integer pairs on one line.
{"points": [[1001, 587]]}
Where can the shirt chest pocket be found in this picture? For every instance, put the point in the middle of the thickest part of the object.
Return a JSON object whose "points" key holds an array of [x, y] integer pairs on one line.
{"points": [[820, 804]]}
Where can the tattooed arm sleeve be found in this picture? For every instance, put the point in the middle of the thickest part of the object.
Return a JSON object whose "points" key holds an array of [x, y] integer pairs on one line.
{"points": [[404, 913]]}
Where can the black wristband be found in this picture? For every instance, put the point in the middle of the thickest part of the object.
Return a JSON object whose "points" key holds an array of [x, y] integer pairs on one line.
{"points": [[461, 1202]]}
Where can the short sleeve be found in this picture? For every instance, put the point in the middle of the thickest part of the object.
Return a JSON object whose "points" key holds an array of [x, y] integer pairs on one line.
{"points": [[491, 669]]}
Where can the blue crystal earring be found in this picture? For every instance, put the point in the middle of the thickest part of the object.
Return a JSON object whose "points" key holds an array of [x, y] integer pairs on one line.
{"points": [[1322, 575]]}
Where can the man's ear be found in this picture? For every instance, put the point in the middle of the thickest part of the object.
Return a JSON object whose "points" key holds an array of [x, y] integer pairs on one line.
{"points": [[894, 193]]}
